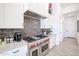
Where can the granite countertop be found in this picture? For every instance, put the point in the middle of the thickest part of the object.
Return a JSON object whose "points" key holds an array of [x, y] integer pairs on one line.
{"points": [[11, 46]]}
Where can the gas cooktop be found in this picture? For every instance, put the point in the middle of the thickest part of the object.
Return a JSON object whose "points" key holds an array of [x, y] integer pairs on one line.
{"points": [[34, 38], [41, 36]]}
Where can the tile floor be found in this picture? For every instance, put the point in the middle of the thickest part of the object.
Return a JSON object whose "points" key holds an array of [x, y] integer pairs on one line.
{"points": [[68, 47]]}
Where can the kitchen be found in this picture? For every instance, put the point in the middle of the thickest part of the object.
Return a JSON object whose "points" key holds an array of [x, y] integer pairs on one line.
{"points": [[20, 32], [31, 29]]}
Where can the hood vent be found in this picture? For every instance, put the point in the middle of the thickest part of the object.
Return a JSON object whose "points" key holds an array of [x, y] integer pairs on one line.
{"points": [[33, 15]]}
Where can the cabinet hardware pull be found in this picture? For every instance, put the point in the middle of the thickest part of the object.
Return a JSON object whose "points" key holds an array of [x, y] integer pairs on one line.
{"points": [[16, 51]]}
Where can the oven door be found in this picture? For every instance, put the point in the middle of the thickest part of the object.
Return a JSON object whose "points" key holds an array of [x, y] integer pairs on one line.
{"points": [[34, 51], [44, 49]]}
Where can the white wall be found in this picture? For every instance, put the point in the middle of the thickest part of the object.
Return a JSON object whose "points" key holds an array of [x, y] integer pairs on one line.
{"points": [[59, 23], [78, 16]]}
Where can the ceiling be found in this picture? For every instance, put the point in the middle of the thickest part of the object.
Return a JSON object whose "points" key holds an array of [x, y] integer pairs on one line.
{"points": [[64, 5], [72, 14]]}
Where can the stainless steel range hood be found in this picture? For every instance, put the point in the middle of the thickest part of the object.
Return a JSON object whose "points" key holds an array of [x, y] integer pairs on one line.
{"points": [[33, 15]]}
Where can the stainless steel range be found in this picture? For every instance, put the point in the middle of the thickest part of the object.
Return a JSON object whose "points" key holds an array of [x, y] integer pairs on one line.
{"points": [[38, 45]]}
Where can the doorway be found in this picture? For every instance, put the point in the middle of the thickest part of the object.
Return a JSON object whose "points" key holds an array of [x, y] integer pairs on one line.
{"points": [[69, 26]]}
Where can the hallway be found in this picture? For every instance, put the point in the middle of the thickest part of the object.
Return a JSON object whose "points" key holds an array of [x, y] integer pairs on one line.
{"points": [[68, 47]]}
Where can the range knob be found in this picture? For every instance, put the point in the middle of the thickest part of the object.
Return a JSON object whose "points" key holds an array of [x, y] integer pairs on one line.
{"points": [[38, 43], [30, 45], [43, 41], [33, 45]]}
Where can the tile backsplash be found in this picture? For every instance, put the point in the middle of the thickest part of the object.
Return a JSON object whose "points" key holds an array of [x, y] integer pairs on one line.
{"points": [[32, 26], [9, 32]]}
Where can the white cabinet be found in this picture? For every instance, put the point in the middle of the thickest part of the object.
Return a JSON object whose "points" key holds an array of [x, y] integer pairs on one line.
{"points": [[39, 8], [21, 51], [1, 15], [52, 39], [13, 15]]}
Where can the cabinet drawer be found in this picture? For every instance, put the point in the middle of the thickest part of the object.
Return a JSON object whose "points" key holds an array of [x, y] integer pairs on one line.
{"points": [[21, 51]]}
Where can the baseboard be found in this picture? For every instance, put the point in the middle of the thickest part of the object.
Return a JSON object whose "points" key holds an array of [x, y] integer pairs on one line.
{"points": [[71, 37]]}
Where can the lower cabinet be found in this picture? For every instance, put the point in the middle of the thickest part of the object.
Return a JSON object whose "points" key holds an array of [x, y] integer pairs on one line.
{"points": [[21, 51], [51, 41]]}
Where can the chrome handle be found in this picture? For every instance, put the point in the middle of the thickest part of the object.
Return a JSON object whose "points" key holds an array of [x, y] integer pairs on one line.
{"points": [[16, 51]]}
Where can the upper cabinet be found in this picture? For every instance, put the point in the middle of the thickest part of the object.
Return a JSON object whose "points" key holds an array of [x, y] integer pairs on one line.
{"points": [[1, 15], [13, 15], [39, 8]]}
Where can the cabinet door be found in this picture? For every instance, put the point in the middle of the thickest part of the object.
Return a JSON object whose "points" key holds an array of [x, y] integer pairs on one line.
{"points": [[51, 41], [13, 15], [39, 8], [1, 15], [21, 51]]}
